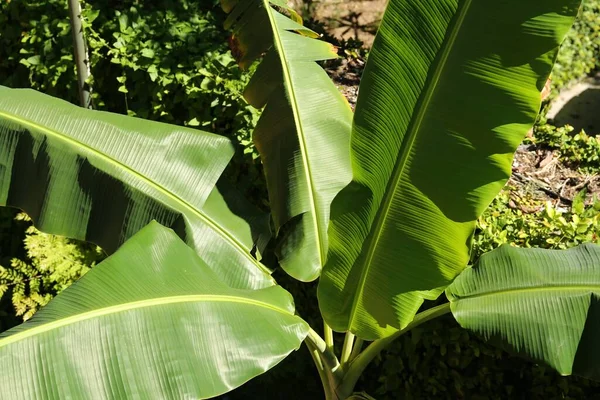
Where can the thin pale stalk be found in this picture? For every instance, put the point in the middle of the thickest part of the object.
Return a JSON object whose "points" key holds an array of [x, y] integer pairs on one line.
{"points": [[316, 340], [328, 333], [81, 56], [358, 365], [356, 349], [347, 348], [330, 361]]}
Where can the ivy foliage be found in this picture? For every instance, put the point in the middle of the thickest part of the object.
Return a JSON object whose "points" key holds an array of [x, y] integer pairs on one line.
{"points": [[177, 45], [35, 44], [165, 60], [168, 61]]}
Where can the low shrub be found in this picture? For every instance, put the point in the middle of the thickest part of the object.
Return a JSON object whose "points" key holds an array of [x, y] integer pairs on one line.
{"points": [[525, 222], [443, 361], [578, 150]]}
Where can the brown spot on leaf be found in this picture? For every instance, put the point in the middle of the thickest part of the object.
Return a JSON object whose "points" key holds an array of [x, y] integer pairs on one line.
{"points": [[234, 46]]}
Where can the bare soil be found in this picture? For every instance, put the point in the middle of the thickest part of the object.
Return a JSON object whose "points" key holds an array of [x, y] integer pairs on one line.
{"points": [[346, 19], [538, 173]]}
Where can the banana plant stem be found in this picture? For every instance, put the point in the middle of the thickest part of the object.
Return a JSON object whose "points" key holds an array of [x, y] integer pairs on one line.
{"points": [[316, 340], [328, 334], [356, 349], [347, 348], [356, 367], [330, 361], [325, 379]]}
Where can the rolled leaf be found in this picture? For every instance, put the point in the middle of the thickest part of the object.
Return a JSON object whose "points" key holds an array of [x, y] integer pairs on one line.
{"points": [[152, 321], [544, 304], [101, 177], [303, 135], [449, 91]]}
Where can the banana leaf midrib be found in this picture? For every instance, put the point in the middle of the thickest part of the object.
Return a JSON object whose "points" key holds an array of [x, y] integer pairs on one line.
{"points": [[530, 289], [411, 135], [161, 301], [212, 224], [298, 122]]}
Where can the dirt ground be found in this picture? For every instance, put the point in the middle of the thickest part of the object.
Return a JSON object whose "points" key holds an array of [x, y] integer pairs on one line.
{"points": [[346, 19], [352, 19], [539, 174]]}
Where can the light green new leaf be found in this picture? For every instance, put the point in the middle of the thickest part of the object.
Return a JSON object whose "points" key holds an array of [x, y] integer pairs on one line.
{"points": [[101, 177], [542, 303], [152, 321], [450, 89], [303, 135]]}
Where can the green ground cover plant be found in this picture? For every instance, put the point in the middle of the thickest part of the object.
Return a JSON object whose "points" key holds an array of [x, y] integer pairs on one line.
{"points": [[576, 149], [536, 224]]}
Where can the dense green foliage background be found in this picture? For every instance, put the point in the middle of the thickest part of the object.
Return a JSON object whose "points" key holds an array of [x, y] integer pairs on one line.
{"points": [[169, 61], [580, 52]]}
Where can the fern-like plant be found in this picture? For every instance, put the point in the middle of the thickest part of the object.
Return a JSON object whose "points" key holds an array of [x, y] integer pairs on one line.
{"points": [[53, 263]]}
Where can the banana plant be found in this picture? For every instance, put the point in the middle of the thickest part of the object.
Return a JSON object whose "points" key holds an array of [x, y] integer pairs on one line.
{"points": [[379, 204]]}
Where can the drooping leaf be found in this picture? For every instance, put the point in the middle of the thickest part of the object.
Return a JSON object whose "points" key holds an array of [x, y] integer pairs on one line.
{"points": [[152, 321], [450, 89], [544, 304], [101, 177], [303, 135]]}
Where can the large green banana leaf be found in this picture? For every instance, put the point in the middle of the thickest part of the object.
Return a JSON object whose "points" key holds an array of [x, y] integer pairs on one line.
{"points": [[101, 177], [542, 303], [450, 89], [303, 135], [151, 322]]}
